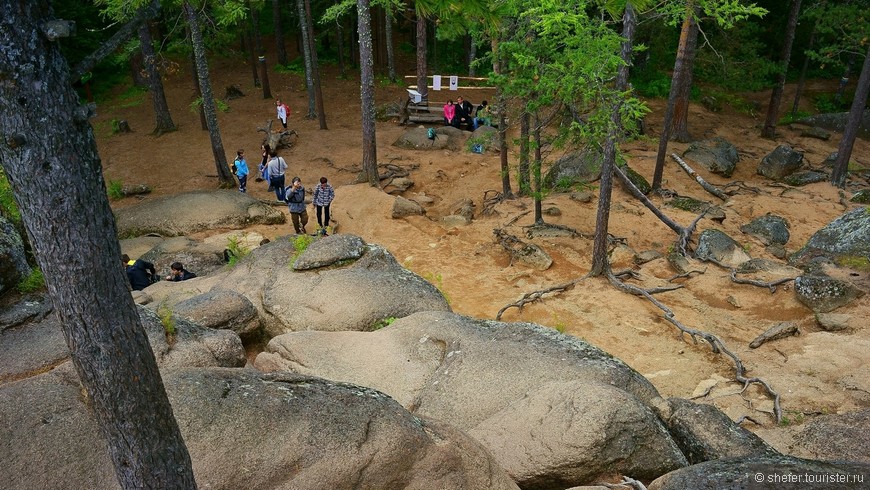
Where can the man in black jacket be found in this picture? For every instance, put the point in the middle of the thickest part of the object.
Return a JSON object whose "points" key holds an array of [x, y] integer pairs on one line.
{"points": [[139, 272], [179, 273], [464, 109]]}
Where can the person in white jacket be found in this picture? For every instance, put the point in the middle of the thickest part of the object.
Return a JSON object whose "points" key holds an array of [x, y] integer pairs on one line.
{"points": [[283, 112]]}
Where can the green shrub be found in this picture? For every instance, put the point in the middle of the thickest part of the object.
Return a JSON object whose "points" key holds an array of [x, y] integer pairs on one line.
{"points": [[790, 118], [437, 281], [827, 103], [220, 104], [300, 244], [236, 250], [167, 320], [132, 97], [33, 282], [296, 66], [386, 322], [115, 190]]}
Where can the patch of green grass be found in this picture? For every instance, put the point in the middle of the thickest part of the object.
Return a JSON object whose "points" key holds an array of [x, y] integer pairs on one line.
{"points": [[854, 262], [300, 244], [790, 118], [8, 205], [115, 190], [827, 103], [237, 251], [791, 417], [296, 66], [132, 97], [167, 320], [437, 281], [386, 322], [220, 104], [32, 283]]}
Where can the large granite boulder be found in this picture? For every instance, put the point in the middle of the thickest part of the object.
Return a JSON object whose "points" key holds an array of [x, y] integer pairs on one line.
{"points": [[222, 309], [770, 229], [330, 250], [579, 167], [836, 121], [717, 155], [13, 261], [716, 246], [244, 429], [837, 437], [845, 241], [198, 257], [762, 473], [500, 382], [190, 212], [822, 293], [781, 162]]}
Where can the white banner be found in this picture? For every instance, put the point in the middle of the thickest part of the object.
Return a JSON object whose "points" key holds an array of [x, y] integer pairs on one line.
{"points": [[454, 82], [436, 82]]}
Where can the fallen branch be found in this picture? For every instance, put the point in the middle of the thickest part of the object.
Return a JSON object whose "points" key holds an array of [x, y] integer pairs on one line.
{"points": [[716, 344], [537, 296], [687, 274], [769, 285], [706, 185], [738, 186], [779, 331], [490, 199]]}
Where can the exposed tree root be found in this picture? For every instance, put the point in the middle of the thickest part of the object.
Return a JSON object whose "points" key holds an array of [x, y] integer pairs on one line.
{"points": [[735, 187], [715, 342], [687, 274], [706, 185], [769, 285], [490, 199], [537, 296]]}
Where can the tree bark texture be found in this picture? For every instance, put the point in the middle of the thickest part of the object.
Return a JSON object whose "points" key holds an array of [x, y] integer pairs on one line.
{"points": [[252, 57], [472, 55], [672, 96], [769, 129], [422, 75], [844, 152], [339, 34], [388, 39], [264, 76], [203, 124], [681, 104], [536, 173], [74, 237], [279, 32], [501, 104], [523, 171], [306, 56], [315, 72], [367, 94], [208, 106], [600, 264], [155, 83]]}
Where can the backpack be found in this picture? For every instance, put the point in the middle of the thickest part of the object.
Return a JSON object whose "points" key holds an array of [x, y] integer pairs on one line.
{"points": [[431, 134], [233, 166], [286, 109]]}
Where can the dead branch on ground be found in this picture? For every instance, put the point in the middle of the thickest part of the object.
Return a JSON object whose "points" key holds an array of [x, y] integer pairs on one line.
{"points": [[490, 199], [769, 285], [537, 296], [716, 344], [687, 274], [706, 185], [280, 139], [516, 218], [732, 188]]}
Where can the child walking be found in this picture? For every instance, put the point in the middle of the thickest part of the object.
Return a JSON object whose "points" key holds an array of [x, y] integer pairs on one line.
{"points": [[322, 198]]}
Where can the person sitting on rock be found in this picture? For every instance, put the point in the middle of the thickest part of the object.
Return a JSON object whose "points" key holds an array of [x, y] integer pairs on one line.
{"points": [[140, 273], [179, 273]]}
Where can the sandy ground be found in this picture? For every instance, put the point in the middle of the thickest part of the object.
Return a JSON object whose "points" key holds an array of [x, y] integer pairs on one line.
{"points": [[815, 373]]}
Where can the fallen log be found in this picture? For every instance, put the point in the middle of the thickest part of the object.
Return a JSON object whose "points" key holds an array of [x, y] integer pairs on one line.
{"points": [[706, 185]]}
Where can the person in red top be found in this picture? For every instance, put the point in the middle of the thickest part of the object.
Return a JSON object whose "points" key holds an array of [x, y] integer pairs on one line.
{"points": [[450, 114]]}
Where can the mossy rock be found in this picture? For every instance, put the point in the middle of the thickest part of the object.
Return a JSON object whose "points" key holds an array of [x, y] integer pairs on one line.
{"points": [[688, 204], [861, 197], [637, 179]]}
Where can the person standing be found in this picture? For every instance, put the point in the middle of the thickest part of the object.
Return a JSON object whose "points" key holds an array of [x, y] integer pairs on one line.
{"points": [[322, 198], [449, 113], [283, 111], [262, 167], [241, 170], [277, 166], [296, 202]]}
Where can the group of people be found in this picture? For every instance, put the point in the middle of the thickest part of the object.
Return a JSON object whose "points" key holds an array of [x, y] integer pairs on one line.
{"points": [[321, 199], [141, 273], [463, 113]]}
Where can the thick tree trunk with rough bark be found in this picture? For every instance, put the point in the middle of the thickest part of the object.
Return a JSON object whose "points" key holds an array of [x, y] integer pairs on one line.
{"points": [[769, 129], [501, 106], [339, 34], [74, 237], [665, 136], [367, 94], [306, 56], [536, 173], [844, 152], [203, 124], [279, 32], [600, 264], [208, 106], [318, 93], [684, 92], [155, 84], [422, 75]]}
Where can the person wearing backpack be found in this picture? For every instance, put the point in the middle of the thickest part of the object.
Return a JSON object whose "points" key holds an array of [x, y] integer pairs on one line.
{"points": [[240, 168], [296, 202], [283, 112], [277, 166]]}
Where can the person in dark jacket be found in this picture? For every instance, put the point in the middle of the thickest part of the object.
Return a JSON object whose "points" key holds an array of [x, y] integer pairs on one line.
{"points": [[179, 273], [464, 109], [295, 199], [140, 273]]}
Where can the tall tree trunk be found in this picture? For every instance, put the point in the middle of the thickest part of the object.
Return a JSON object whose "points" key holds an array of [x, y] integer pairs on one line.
{"points": [[367, 94], [74, 238], [217, 147], [600, 263], [255, 23], [203, 124], [339, 33], [279, 32], [665, 136], [353, 34], [523, 177], [388, 39], [264, 75], [681, 104], [377, 37], [844, 152], [472, 55], [803, 77], [501, 106], [422, 75], [536, 173], [137, 70], [252, 57], [769, 130], [315, 72], [158, 96], [306, 55]]}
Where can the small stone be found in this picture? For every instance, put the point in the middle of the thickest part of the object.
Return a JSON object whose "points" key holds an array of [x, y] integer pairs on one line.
{"points": [[833, 322]]}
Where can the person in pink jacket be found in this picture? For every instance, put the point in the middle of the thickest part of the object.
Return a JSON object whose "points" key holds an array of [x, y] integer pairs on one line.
{"points": [[450, 114]]}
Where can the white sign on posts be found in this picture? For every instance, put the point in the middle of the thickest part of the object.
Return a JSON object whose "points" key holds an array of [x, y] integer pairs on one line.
{"points": [[436, 82], [454, 82]]}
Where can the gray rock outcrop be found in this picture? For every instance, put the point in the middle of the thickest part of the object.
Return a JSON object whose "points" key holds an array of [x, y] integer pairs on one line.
{"points": [[194, 211], [822, 293], [716, 246], [717, 155], [403, 208], [13, 261], [579, 167], [836, 121], [845, 239], [330, 250], [770, 229], [781, 162], [221, 309], [837, 437]]}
